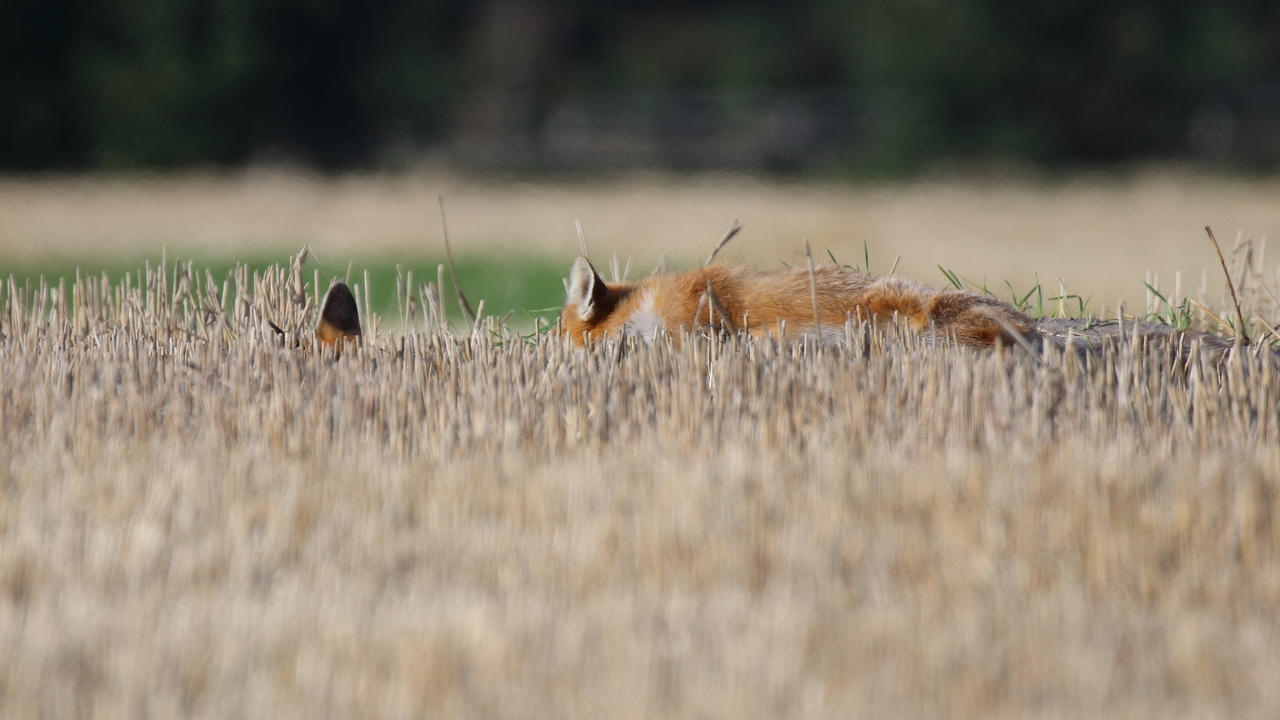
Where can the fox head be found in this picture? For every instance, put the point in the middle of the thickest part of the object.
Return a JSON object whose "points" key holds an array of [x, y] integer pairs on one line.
{"points": [[339, 319], [590, 302]]}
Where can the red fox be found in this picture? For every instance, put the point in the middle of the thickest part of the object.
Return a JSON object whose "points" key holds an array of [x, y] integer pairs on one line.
{"points": [[339, 319], [759, 302]]}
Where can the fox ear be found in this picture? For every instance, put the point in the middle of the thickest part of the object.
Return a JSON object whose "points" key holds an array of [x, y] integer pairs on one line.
{"points": [[586, 288], [339, 318]]}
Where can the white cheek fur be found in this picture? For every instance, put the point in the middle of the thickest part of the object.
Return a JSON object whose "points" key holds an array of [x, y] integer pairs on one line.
{"points": [[645, 322]]}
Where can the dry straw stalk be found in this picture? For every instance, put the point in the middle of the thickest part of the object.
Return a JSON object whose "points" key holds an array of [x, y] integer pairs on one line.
{"points": [[202, 518]]}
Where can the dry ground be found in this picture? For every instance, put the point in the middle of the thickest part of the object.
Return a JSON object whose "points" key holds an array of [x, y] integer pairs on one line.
{"points": [[1099, 235], [198, 522]]}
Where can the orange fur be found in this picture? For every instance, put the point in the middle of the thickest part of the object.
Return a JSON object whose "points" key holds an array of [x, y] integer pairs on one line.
{"points": [[760, 302]]}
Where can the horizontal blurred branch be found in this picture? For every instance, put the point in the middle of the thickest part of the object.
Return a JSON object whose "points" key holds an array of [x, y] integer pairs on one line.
{"points": [[528, 85]]}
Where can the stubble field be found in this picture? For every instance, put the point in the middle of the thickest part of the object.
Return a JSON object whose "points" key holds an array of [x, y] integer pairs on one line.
{"points": [[202, 520]]}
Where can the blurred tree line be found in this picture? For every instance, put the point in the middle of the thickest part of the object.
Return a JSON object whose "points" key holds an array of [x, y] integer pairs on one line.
{"points": [[827, 85]]}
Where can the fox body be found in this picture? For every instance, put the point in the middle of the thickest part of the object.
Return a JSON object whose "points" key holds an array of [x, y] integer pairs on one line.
{"points": [[764, 303]]}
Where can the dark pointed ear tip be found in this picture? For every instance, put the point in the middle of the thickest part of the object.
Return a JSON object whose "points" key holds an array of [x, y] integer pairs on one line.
{"points": [[338, 287], [340, 311]]}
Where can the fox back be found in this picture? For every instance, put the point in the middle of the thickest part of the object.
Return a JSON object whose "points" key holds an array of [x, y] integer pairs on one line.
{"points": [[778, 303]]}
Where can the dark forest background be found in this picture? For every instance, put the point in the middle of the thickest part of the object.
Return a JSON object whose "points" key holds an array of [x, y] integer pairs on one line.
{"points": [[823, 86]]}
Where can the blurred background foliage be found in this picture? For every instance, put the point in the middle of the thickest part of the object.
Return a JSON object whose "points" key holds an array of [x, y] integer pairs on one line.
{"points": [[815, 86]]}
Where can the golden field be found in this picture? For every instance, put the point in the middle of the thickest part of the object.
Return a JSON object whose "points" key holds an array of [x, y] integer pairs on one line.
{"points": [[201, 519]]}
